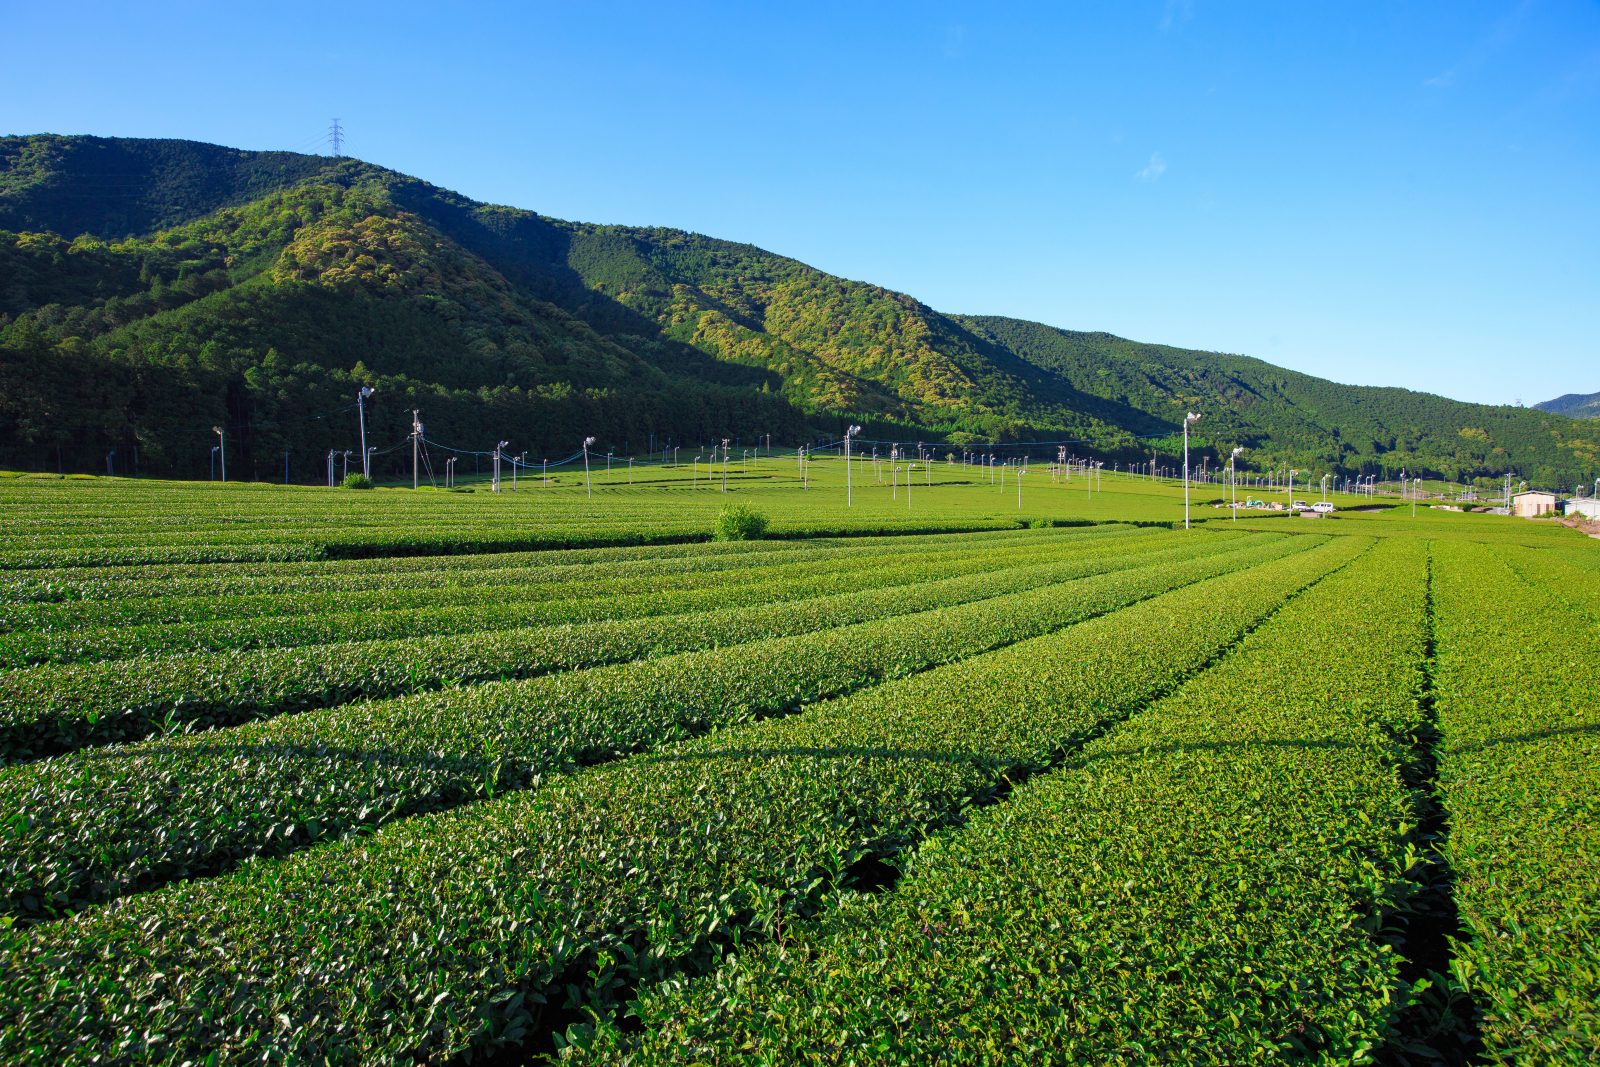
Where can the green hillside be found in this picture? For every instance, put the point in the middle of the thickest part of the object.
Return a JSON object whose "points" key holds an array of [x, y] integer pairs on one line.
{"points": [[152, 289], [119, 187], [1296, 418], [1574, 405]]}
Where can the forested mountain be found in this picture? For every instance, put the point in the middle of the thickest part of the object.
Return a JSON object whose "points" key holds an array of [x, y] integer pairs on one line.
{"points": [[152, 289], [1574, 405]]}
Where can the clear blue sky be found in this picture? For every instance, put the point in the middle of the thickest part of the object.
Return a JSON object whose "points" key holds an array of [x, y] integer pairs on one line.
{"points": [[1377, 193]]}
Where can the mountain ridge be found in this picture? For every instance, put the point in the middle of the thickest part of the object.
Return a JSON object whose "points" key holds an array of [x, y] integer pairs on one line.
{"points": [[1573, 405], [267, 285]]}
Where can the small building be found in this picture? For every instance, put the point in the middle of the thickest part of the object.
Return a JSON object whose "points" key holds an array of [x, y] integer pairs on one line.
{"points": [[1588, 507], [1532, 504]]}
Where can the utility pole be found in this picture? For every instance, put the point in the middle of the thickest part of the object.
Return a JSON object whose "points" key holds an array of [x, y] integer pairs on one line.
{"points": [[222, 449], [587, 485], [725, 464], [361, 414]]}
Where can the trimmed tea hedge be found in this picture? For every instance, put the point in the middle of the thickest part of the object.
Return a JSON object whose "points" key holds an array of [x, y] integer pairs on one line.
{"points": [[470, 928], [1204, 884], [91, 825], [74, 598], [286, 621], [52, 709], [1520, 776]]}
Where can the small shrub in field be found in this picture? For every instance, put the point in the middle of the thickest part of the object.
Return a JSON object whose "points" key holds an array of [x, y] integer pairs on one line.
{"points": [[736, 522], [356, 480]]}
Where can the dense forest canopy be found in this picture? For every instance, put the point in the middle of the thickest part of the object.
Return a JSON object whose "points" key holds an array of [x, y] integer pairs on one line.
{"points": [[150, 290], [1574, 405]]}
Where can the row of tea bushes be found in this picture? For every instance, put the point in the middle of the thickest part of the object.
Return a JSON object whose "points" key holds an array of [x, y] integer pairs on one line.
{"points": [[92, 825], [1203, 884], [50, 709], [491, 923], [1520, 777], [285, 621], [75, 597]]}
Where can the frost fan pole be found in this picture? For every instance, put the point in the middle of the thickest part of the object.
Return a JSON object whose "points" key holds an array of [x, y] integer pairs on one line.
{"points": [[1188, 420], [361, 415], [849, 499], [416, 440]]}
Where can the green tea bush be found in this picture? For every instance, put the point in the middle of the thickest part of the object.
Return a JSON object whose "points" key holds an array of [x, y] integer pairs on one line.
{"points": [[53, 708], [121, 617], [510, 910], [356, 480], [185, 805], [1200, 884], [736, 522], [1514, 688]]}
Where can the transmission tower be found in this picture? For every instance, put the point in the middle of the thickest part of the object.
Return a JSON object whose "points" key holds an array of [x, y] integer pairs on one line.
{"points": [[336, 138]]}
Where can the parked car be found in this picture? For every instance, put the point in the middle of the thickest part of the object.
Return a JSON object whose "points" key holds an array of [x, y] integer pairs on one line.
{"points": [[1299, 505], [1322, 507]]}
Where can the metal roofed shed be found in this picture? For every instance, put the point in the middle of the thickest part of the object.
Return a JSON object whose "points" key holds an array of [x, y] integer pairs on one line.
{"points": [[1532, 504], [1588, 507]]}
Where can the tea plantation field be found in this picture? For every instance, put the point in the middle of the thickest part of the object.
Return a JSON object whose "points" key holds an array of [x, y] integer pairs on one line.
{"points": [[944, 775]]}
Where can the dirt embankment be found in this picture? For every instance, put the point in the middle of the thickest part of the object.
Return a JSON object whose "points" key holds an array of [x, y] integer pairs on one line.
{"points": [[1588, 526]]}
